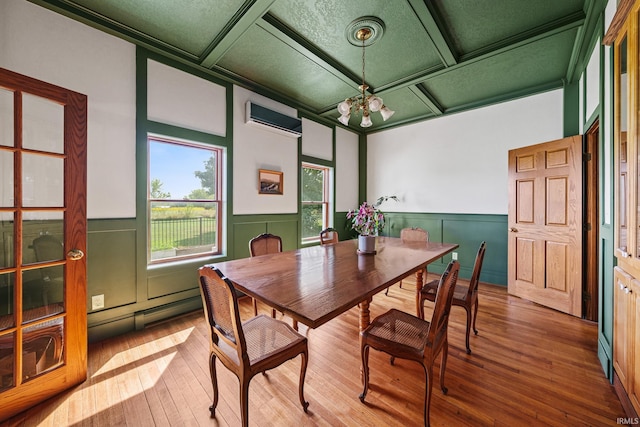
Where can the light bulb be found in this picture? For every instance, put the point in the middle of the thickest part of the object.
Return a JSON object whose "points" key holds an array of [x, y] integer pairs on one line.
{"points": [[375, 103], [344, 108], [386, 112], [344, 119]]}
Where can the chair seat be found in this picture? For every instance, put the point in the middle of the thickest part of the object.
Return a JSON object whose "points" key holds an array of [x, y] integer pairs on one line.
{"points": [[402, 331], [429, 291], [266, 336]]}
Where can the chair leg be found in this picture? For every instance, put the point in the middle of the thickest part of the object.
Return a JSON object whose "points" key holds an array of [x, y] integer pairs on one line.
{"points": [[295, 324], [255, 307], [303, 372], [428, 371], [466, 339], [214, 383], [244, 400], [475, 316], [443, 366], [365, 371]]}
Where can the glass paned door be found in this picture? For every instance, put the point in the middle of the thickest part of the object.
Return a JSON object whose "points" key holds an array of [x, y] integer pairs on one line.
{"points": [[42, 241]]}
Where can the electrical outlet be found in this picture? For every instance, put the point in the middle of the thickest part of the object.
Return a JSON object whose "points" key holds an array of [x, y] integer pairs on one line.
{"points": [[97, 302], [454, 255]]}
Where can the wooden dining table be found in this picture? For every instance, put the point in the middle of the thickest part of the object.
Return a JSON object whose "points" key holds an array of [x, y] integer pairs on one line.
{"points": [[316, 284]]}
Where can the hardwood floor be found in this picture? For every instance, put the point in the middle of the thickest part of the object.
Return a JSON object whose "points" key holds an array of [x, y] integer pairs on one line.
{"points": [[529, 366]]}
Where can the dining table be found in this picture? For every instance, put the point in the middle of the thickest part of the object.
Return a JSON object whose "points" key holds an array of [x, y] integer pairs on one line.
{"points": [[318, 283]]}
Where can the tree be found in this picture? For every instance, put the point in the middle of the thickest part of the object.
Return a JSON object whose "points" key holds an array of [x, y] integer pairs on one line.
{"points": [[207, 180], [156, 190], [199, 194]]}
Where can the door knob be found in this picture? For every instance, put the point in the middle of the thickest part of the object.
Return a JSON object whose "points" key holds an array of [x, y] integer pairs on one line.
{"points": [[75, 254], [513, 230]]}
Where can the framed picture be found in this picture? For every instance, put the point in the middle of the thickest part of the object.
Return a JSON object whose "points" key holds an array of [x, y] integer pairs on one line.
{"points": [[269, 182]]}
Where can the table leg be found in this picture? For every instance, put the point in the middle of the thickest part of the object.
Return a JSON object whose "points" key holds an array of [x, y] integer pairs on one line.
{"points": [[418, 289], [365, 316], [365, 319]]}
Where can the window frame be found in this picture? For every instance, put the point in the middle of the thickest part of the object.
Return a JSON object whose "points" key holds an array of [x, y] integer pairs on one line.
{"points": [[217, 201], [325, 203]]}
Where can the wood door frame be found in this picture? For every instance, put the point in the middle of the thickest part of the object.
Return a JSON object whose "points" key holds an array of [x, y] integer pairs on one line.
{"points": [[591, 223], [73, 369]]}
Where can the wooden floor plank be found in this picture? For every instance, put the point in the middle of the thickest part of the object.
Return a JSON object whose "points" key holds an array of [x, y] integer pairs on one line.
{"points": [[529, 366]]}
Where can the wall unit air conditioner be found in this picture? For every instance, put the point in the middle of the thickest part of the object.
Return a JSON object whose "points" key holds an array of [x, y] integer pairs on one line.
{"points": [[273, 121]]}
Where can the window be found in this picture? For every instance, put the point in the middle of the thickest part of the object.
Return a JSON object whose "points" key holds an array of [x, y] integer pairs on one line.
{"points": [[184, 193], [315, 201]]}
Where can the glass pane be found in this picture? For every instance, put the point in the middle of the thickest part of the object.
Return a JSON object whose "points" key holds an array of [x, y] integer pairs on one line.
{"points": [[42, 237], [42, 181], [7, 345], [7, 285], [312, 221], [181, 172], [42, 293], [6, 118], [7, 198], [42, 348], [7, 255], [183, 228], [42, 124], [312, 185], [622, 141]]}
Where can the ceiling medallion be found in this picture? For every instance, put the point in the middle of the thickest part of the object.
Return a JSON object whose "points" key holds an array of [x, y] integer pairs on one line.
{"points": [[363, 32]]}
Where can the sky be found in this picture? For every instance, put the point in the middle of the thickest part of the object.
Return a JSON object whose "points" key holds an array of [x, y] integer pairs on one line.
{"points": [[177, 177]]}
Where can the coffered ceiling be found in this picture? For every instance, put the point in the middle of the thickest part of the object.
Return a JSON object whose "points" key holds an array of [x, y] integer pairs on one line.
{"points": [[435, 57]]}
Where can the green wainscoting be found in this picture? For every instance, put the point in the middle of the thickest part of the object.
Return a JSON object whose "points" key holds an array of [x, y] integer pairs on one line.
{"points": [[246, 227], [134, 299], [468, 231]]}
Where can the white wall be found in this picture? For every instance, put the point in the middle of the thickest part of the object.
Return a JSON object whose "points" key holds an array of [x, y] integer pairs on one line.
{"points": [[317, 140], [257, 148], [458, 163], [347, 180], [182, 99], [47, 46]]}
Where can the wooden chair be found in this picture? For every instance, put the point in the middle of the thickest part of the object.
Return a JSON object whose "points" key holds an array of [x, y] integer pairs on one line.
{"points": [[463, 296], [328, 236], [412, 234], [248, 348], [266, 243], [405, 336]]}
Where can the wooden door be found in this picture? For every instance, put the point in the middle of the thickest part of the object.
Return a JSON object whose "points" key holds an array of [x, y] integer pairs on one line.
{"points": [[545, 227], [43, 315]]}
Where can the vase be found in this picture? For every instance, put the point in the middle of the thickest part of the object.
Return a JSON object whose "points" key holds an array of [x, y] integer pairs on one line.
{"points": [[367, 244]]}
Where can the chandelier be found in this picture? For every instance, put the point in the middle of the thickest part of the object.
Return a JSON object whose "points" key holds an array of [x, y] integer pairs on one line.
{"points": [[362, 103]]}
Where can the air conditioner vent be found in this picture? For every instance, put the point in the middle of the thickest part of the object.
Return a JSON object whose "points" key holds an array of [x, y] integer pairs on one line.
{"points": [[273, 121]]}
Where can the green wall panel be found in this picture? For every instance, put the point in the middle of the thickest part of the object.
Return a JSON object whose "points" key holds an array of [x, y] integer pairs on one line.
{"points": [[247, 227], [111, 265], [468, 231], [242, 233], [173, 281], [288, 231]]}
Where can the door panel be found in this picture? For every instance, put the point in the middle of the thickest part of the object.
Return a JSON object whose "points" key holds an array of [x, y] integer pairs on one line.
{"points": [[43, 323], [545, 233]]}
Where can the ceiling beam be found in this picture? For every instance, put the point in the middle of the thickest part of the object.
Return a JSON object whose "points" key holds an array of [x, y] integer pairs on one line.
{"points": [[582, 44], [285, 34], [421, 93], [553, 28], [95, 20], [436, 36], [244, 18]]}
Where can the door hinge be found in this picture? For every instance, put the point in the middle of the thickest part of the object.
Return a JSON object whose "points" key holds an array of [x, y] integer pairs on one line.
{"points": [[586, 157], [587, 227]]}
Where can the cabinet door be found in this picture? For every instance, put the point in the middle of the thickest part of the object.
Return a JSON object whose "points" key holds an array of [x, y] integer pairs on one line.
{"points": [[633, 328], [621, 338]]}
